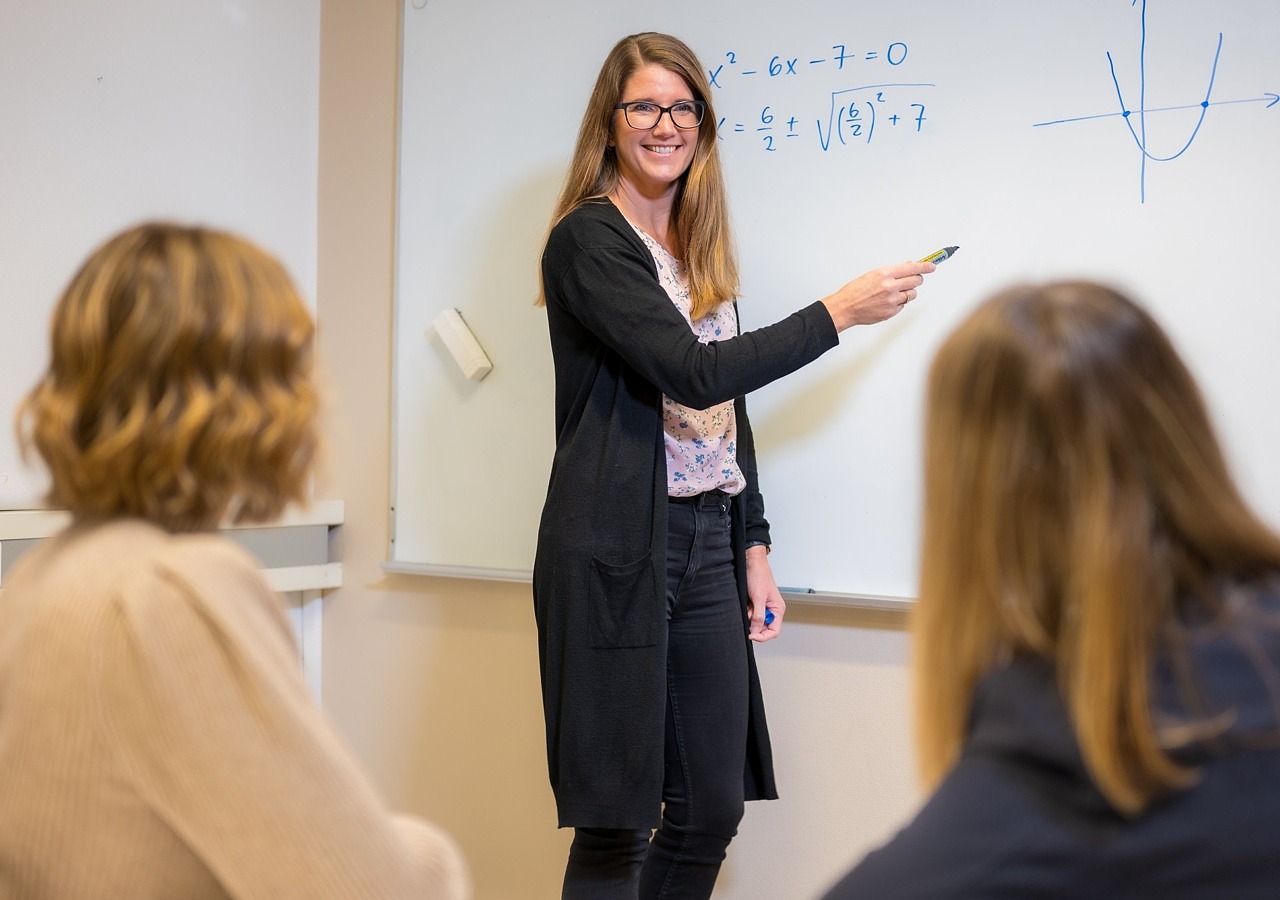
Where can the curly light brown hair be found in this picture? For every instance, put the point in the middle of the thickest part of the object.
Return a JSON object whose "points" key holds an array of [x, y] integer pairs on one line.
{"points": [[179, 387]]}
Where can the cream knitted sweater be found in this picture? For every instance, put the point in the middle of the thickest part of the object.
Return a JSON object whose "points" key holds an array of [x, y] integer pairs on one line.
{"points": [[157, 738]]}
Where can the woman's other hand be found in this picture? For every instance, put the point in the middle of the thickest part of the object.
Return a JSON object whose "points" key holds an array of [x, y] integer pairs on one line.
{"points": [[764, 595]]}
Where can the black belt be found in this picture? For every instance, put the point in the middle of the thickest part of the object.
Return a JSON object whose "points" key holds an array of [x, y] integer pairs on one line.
{"points": [[706, 498]]}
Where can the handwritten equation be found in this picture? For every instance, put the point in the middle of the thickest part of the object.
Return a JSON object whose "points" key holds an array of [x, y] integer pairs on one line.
{"points": [[837, 117], [895, 54]]}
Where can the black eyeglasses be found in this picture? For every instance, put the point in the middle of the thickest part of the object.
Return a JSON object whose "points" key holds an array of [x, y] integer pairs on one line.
{"points": [[643, 115]]}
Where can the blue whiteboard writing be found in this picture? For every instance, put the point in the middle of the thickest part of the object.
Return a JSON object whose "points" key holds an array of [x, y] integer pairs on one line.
{"points": [[1121, 140]]}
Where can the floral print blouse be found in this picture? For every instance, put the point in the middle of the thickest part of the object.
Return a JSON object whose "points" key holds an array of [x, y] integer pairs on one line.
{"points": [[701, 444]]}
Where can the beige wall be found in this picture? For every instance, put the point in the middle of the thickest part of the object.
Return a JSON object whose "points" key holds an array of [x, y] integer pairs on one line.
{"points": [[434, 681]]}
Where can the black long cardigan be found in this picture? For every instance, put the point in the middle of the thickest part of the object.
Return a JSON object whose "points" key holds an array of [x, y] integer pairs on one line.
{"points": [[599, 581]]}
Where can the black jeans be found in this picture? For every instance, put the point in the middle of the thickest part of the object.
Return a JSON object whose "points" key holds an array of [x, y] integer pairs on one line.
{"points": [[706, 730]]}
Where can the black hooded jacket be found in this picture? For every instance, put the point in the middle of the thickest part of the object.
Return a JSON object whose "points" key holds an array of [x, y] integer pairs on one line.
{"points": [[1019, 816]]}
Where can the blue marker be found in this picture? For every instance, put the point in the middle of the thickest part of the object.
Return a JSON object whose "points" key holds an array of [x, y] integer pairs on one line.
{"points": [[768, 616], [944, 253]]}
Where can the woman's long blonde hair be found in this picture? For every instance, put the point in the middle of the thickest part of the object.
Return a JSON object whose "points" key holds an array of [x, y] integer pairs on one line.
{"points": [[179, 385], [701, 211], [1075, 494]]}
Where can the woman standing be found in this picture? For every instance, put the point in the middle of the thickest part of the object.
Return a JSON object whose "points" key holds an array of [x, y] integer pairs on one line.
{"points": [[1097, 640], [652, 565]]}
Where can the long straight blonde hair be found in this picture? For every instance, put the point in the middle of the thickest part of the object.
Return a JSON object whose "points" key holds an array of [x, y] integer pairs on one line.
{"points": [[701, 211], [1075, 495]]}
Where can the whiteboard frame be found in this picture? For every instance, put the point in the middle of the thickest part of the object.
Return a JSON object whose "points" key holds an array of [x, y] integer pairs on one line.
{"points": [[955, 287]]}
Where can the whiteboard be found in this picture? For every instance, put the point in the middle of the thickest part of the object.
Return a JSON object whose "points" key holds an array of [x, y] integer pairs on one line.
{"points": [[202, 112], [853, 134]]}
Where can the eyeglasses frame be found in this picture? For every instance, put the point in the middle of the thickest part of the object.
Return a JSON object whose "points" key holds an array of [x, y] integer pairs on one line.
{"points": [[700, 105]]}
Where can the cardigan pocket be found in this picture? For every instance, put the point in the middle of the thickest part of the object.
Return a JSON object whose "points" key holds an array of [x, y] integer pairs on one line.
{"points": [[624, 611]]}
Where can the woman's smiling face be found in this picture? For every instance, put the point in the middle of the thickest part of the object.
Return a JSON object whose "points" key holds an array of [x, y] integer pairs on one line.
{"points": [[652, 160]]}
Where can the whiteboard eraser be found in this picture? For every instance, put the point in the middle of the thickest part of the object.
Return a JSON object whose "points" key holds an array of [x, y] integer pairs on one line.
{"points": [[462, 344]]}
